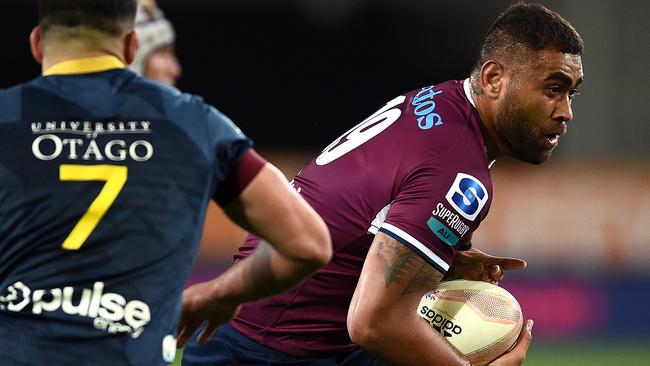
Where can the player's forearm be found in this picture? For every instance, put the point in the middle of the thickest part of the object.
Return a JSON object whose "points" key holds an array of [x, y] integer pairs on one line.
{"points": [[271, 210], [266, 272], [406, 340], [383, 315]]}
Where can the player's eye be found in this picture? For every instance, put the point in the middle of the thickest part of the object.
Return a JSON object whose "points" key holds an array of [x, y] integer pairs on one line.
{"points": [[554, 90], [574, 93]]}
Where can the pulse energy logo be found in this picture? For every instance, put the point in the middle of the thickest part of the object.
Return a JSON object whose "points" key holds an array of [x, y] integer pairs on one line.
{"points": [[110, 312]]}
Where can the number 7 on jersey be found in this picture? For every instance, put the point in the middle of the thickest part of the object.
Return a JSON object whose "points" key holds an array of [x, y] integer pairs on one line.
{"points": [[115, 178]]}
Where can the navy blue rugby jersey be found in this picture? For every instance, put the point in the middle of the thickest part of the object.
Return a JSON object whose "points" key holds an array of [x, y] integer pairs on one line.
{"points": [[104, 181]]}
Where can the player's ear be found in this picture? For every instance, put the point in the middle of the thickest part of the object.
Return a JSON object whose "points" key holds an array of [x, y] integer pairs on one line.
{"points": [[36, 44], [493, 79], [130, 47]]}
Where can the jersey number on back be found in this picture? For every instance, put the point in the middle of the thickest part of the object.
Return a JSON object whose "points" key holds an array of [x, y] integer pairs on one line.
{"points": [[115, 178], [364, 131]]}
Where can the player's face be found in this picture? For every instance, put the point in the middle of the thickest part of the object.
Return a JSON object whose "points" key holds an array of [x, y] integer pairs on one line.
{"points": [[537, 104], [162, 65]]}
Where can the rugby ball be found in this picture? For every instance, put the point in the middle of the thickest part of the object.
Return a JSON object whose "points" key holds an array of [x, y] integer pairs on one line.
{"points": [[482, 321]]}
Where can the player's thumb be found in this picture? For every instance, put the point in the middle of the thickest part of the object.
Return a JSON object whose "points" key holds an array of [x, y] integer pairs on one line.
{"points": [[517, 355], [525, 337]]}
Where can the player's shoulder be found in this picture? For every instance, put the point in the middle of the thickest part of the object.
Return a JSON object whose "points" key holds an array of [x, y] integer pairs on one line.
{"points": [[443, 104], [188, 111], [167, 97], [442, 113]]}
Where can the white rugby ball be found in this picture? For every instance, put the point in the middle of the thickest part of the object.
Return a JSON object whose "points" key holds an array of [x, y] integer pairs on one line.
{"points": [[482, 321]]}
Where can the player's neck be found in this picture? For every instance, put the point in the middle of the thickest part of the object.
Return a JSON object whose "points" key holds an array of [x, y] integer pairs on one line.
{"points": [[486, 115], [58, 53]]}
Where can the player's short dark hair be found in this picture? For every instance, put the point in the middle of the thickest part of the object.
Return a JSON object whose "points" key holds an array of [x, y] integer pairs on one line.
{"points": [[111, 17], [533, 26]]}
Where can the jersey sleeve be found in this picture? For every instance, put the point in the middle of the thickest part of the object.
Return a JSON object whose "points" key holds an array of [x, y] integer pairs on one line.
{"points": [[230, 151], [421, 218], [246, 170]]}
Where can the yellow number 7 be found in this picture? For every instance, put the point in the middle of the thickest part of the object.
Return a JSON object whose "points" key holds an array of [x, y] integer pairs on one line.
{"points": [[115, 178]]}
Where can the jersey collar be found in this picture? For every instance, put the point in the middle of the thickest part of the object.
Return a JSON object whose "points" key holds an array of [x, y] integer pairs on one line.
{"points": [[85, 65], [468, 93]]}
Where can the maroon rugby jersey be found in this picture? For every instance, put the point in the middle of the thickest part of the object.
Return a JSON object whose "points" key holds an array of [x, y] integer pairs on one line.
{"points": [[416, 170]]}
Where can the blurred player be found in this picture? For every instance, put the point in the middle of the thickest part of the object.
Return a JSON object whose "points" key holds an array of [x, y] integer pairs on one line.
{"points": [[155, 58], [402, 193], [104, 181]]}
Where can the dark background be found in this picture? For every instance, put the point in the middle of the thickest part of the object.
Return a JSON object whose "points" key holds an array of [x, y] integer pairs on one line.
{"points": [[294, 74]]}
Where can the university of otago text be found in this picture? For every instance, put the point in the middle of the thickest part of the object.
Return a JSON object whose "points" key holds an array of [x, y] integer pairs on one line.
{"points": [[78, 140]]}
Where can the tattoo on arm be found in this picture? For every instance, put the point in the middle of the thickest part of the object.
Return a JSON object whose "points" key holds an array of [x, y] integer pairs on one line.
{"points": [[396, 268], [425, 279], [405, 268]]}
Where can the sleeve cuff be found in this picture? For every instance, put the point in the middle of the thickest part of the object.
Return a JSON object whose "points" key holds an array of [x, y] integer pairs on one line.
{"points": [[416, 246]]}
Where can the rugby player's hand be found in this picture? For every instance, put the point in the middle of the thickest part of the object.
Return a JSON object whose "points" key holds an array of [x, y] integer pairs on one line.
{"points": [[199, 306], [517, 355], [475, 265]]}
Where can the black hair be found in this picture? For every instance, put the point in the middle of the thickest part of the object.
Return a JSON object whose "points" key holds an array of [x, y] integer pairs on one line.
{"points": [[530, 25], [111, 17]]}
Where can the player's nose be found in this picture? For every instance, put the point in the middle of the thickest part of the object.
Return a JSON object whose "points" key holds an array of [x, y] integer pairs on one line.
{"points": [[563, 111]]}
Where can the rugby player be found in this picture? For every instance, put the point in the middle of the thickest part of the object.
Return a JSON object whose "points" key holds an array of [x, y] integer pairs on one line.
{"points": [[156, 58], [402, 193], [104, 181]]}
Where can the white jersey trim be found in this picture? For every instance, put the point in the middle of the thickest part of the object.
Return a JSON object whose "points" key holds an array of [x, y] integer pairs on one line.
{"points": [[417, 244], [379, 220], [468, 93]]}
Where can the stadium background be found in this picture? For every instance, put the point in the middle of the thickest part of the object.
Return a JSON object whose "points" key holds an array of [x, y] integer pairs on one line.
{"points": [[295, 74]]}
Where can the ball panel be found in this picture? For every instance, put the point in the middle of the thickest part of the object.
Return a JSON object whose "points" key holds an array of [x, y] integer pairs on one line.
{"points": [[488, 304], [490, 352], [462, 325], [482, 321]]}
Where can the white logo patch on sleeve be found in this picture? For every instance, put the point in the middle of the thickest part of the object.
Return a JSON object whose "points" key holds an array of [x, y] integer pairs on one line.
{"points": [[467, 195]]}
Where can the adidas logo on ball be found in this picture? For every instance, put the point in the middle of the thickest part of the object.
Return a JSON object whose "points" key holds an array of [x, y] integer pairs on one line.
{"points": [[443, 325], [481, 320]]}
